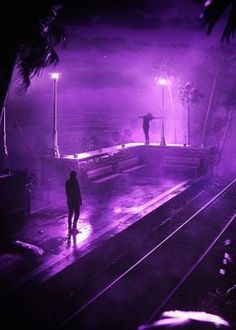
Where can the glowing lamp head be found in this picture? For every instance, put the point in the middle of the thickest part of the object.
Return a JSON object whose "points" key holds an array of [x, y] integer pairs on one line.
{"points": [[162, 81], [55, 75]]}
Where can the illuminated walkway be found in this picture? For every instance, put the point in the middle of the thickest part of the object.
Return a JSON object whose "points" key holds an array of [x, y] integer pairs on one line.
{"points": [[101, 218]]}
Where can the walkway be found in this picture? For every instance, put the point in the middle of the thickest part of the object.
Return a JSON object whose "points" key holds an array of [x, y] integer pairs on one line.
{"points": [[101, 218]]}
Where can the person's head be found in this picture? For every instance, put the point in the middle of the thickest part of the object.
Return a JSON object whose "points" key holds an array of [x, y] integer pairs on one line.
{"points": [[72, 174], [149, 114]]}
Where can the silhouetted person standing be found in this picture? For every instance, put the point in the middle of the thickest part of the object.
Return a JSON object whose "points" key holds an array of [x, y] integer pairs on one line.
{"points": [[146, 124], [74, 201]]}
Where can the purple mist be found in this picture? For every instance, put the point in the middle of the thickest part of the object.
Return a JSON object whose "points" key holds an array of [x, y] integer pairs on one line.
{"points": [[108, 72]]}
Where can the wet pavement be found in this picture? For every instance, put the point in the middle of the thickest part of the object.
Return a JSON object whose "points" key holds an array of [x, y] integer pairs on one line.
{"points": [[102, 216]]}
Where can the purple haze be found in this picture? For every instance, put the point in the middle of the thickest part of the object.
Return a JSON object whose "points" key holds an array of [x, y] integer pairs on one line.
{"points": [[108, 71]]}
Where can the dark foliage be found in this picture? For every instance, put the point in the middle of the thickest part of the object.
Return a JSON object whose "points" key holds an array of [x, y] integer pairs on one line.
{"points": [[214, 10], [29, 32]]}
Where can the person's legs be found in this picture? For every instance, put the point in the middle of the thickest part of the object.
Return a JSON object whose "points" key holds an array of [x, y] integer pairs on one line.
{"points": [[70, 213], [146, 133], [148, 142], [76, 216]]}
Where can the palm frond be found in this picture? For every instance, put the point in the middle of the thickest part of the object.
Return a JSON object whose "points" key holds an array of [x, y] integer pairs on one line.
{"points": [[189, 94], [33, 29], [33, 57], [231, 24], [214, 10], [55, 35]]}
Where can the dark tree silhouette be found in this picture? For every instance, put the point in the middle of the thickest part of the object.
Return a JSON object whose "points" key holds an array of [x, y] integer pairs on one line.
{"points": [[28, 34], [214, 11], [189, 94]]}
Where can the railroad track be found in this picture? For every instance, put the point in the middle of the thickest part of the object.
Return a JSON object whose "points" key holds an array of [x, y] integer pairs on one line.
{"points": [[139, 293], [129, 286]]}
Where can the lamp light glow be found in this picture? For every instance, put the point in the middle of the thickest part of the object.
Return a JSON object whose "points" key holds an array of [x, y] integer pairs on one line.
{"points": [[55, 75], [162, 81]]}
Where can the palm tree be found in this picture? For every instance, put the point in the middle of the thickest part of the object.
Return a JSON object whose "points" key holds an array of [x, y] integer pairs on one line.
{"points": [[189, 94], [229, 103], [28, 35], [214, 10]]}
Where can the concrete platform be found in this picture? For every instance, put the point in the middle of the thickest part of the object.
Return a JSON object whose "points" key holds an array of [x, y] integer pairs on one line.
{"points": [[102, 217], [54, 299]]}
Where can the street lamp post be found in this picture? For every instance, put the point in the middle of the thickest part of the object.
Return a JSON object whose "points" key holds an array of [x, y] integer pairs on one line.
{"points": [[3, 147], [5, 151], [55, 77], [162, 82]]}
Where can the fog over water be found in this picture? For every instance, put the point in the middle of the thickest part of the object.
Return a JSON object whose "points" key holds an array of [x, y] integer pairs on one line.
{"points": [[108, 68]]}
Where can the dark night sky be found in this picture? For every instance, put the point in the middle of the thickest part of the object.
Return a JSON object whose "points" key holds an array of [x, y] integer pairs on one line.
{"points": [[137, 14], [83, 12]]}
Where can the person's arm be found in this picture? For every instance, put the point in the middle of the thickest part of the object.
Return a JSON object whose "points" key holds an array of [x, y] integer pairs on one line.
{"points": [[156, 117]]}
